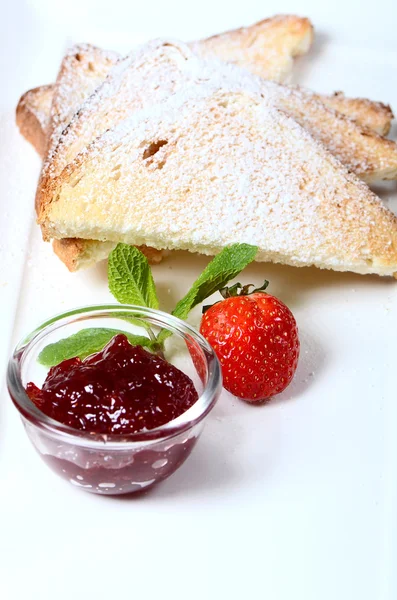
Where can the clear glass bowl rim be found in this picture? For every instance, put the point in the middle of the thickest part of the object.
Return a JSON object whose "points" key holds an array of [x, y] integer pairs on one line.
{"points": [[65, 433]]}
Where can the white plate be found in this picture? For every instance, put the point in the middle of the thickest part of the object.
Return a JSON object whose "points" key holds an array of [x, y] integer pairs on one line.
{"points": [[296, 499]]}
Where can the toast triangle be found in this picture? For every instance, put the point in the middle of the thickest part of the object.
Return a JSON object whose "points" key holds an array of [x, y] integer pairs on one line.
{"points": [[200, 172]]}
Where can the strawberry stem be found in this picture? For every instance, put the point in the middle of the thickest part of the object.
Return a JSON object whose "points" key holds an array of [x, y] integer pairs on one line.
{"points": [[242, 290], [262, 288], [237, 290]]}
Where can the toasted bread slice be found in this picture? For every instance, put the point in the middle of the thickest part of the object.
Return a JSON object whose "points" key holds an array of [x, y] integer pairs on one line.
{"points": [[206, 169], [72, 250]]}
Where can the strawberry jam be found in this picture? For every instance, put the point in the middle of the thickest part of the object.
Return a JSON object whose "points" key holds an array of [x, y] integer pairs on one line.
{"points": [[123, 389]]}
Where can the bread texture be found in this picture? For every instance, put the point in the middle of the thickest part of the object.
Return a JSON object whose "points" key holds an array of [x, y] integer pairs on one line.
{"points": [[162, 177]]}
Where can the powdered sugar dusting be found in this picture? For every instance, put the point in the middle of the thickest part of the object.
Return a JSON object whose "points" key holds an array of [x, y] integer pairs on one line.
{"points": [[231, 168], [160, 68]]}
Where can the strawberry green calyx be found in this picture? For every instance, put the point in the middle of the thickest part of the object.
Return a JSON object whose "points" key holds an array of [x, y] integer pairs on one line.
{"points": [[242, 290], [237, 290]]}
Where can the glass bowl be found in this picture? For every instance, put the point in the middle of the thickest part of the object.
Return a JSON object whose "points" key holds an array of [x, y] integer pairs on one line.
{"points": [[116, 464]]}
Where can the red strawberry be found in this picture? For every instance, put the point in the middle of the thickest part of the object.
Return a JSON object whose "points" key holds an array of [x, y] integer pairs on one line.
{"points": [[256, 340]]}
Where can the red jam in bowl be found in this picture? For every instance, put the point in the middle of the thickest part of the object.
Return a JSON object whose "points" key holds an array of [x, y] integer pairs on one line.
{"points": [[122, 389]]}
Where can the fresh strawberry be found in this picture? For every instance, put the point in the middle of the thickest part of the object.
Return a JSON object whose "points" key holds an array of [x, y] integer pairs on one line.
{"points": [[255, 337]]}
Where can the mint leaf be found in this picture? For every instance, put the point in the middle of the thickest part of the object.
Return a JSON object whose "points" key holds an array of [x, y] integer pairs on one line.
{"points": [[224, 267], [130, 277], [84, 343]]}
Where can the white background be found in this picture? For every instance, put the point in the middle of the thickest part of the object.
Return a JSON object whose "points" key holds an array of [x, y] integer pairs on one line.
{"points": [[294, 500]]}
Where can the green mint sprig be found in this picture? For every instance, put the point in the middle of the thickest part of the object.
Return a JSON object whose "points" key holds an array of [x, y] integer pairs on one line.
{"points": [[131, 282], [84, 343], [130, 277]]}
